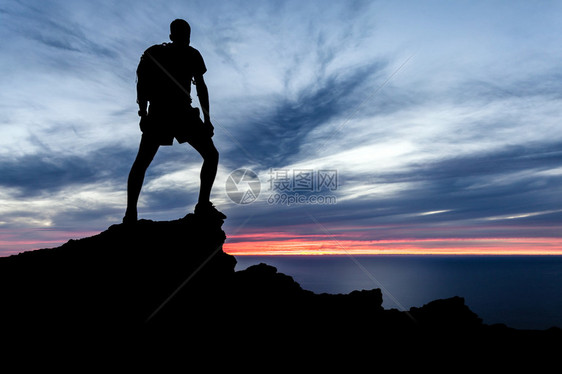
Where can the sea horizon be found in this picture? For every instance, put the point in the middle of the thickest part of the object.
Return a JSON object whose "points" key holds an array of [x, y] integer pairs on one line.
{"points": [[520, 291]]}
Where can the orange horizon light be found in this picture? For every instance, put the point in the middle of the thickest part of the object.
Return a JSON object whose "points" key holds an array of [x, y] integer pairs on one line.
{"points": [[456, 246]]}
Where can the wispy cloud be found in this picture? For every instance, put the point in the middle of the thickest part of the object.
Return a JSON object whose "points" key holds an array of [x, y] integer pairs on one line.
{"points": [[441, 119]]}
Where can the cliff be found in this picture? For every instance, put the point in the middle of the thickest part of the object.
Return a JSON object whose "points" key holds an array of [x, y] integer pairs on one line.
{"points": [[154, 282]]}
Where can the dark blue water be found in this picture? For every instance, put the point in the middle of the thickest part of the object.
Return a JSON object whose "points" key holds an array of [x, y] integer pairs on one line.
{"points": [[520, 291]]}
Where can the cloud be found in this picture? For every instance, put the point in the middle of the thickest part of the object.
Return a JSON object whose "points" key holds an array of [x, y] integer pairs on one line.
{"points": [[278, 136], [45, 173], [450, 108]]}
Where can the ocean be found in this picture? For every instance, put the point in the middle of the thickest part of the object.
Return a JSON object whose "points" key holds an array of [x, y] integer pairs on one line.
{"points": [[523, 292]]}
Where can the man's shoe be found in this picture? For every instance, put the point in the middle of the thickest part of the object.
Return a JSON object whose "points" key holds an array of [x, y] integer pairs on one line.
{"points": [[129, 219], [208, 210]]}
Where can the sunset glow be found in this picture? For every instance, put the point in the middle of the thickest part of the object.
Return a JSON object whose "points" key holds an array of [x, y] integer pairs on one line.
{"points": [[20, 240], [315, 246]]}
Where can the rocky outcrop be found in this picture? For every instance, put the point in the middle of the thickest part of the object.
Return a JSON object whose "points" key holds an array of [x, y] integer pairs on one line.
{"points": [[154, 282]]}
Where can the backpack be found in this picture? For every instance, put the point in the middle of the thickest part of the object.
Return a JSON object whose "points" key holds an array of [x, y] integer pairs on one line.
{"points": [[163, 74]]}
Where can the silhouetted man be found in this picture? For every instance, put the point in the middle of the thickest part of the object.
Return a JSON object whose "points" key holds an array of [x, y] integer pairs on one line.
{"points": [[164, 78]]}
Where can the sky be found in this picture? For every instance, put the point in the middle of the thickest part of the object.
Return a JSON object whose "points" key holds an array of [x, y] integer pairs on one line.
{"points": [[368, 127]]}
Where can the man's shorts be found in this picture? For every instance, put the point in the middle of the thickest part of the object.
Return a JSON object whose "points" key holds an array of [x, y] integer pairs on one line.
{"points": [[162, 125]]}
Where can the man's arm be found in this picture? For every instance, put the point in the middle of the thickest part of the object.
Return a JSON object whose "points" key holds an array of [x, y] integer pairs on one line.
{"points": [[143, 104], [141, 90], [203, 95]]}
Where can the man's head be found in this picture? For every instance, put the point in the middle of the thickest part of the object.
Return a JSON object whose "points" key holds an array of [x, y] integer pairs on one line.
{"points": [[180, 31]]}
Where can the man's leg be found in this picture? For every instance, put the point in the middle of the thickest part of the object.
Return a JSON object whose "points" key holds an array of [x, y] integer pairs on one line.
{"points": [[147, 151], [210, 156], [207, 150]]}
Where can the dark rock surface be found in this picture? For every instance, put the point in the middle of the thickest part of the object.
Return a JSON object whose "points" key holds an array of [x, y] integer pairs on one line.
{"points": [[162, 284]]}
